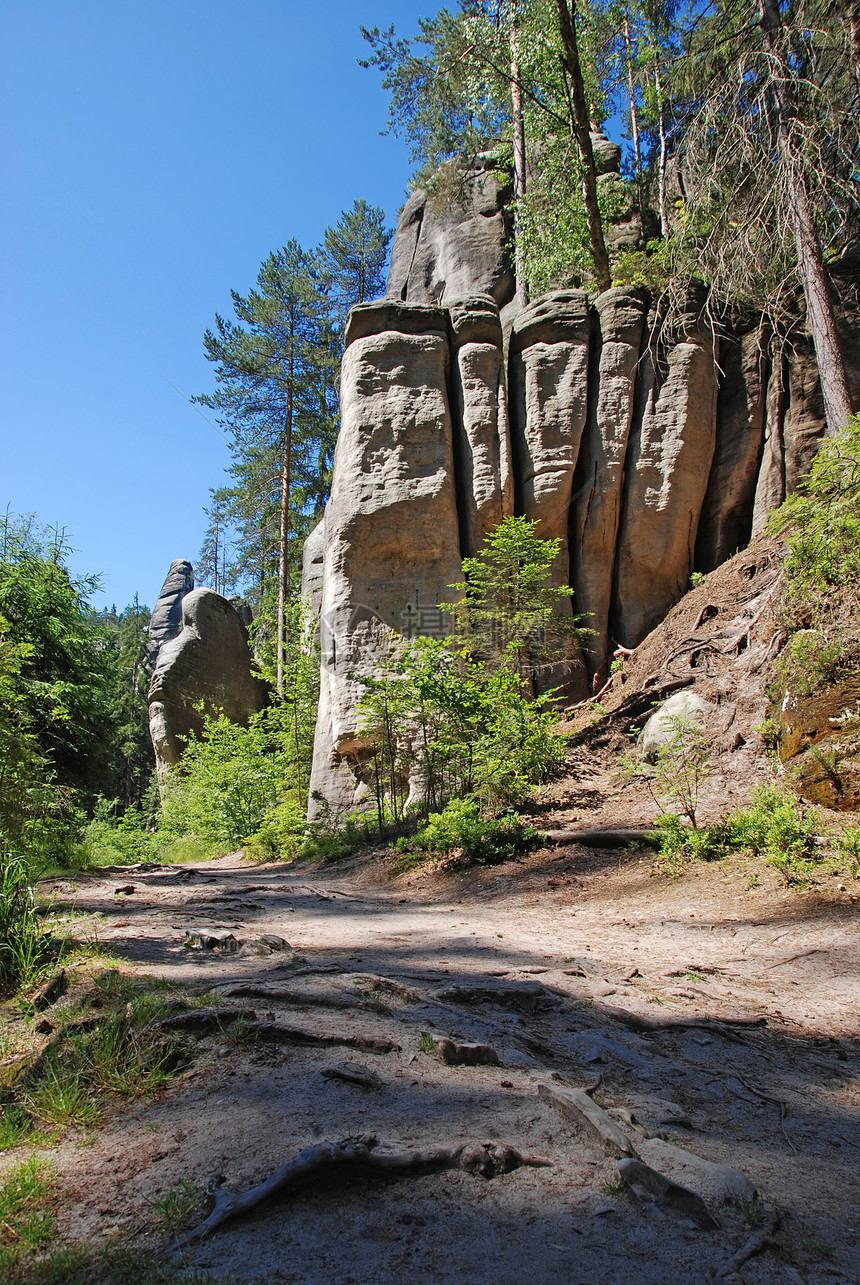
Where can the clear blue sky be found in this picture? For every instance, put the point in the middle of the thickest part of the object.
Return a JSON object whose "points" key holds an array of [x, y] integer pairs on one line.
{"points": [[152, 156]]}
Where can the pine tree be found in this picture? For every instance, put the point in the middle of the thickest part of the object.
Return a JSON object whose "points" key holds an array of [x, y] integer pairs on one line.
{"points": [[275, 371], [353, 257]]}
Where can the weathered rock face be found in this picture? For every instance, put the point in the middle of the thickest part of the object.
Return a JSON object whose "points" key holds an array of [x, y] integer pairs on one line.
{"points": [[313, 554], [392, 534], [166, 620], [455, 251], [668, 465], [726, 522], [549, 398], [597, 490], [482, 451], [208, 662], [649, 454]]}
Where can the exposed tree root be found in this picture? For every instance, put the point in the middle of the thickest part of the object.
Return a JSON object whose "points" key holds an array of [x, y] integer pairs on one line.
{"points": [[247, 990], [277, 1033], [357, 1156], [758, 1242]]}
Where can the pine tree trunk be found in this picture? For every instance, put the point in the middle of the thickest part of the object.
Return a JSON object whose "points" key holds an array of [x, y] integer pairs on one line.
{"points": [[519, 145], [580, 128], [283, 562], [661, 122], [634, 116], [816, 288]]}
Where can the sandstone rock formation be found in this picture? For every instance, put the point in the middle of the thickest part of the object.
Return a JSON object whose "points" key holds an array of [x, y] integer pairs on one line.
{"points": [[549, 399], [482, 448], [313, 553], [726, 522], [458, 246], [599, 478], [208, 662], [648, 453], [166, 620], [666, 477], [392, 533]]}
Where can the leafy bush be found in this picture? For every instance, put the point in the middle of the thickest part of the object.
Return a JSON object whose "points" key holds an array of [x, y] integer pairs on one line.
{"points": [[110, 840], [821, 525], [460, 827], [226, 783], [775, 829], [444, 719], [677, 842], [281, 833]]}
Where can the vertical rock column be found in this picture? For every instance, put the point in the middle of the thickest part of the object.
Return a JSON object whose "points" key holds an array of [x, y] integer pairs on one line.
{"points": [[599, 478], [549, 401], [482, 441], [392, 544], [666, 478], [726, 522], [166, 620]]}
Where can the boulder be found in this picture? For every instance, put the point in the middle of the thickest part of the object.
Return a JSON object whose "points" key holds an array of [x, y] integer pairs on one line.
{"points": [[392, 544], [597, 489], [456, 243], [482, 447], [166, 620], [666, 476], [607, 155], [683, 709], [207, 663]]}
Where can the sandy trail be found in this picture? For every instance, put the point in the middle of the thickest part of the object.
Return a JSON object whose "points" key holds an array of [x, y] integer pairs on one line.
{"points": [[722, 1000]]}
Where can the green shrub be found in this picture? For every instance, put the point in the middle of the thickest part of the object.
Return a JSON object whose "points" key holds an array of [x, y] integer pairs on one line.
{"points": [[775, 829], [24, 946], [677, 842], [821, 526], [460, 827], [681, 762], [281, 834], [772, 829]]}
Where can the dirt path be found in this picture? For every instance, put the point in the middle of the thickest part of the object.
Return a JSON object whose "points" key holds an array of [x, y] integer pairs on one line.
{"points": [[722, 1018]]}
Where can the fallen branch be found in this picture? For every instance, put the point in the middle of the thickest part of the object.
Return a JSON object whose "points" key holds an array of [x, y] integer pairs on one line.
{"points": [[590, 700], [601, 838], [356, 1156], [759, 1241]]}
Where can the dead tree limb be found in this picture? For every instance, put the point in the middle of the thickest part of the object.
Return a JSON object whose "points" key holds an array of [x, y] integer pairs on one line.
{"points": [[601, 838], [356, 1156]]}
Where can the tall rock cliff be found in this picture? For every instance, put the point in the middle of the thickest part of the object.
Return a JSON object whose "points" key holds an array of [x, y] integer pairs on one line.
{"points": [[649, 451]]}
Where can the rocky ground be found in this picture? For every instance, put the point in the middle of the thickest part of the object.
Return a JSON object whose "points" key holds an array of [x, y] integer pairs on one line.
{"points": [[714, 1018]]}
